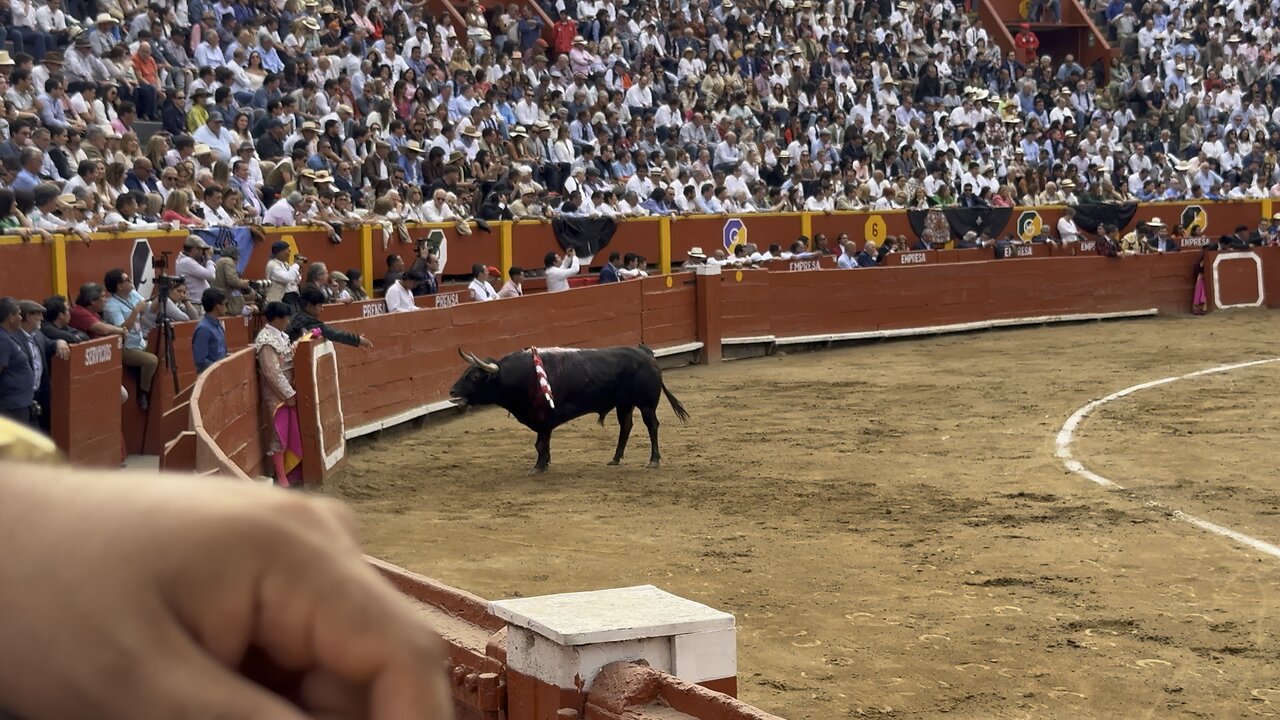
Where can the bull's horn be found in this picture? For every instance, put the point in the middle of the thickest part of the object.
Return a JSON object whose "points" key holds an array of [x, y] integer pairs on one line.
{"points": [[491, 368]]}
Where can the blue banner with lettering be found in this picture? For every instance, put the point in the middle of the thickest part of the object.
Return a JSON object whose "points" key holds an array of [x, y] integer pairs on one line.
{"points": [[240, 237]]}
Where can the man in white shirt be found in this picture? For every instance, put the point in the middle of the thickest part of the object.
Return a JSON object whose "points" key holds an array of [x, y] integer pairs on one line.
{"points": [[195, 267], [438, 211], [400, 294], [481, 290], [559, 271], [284, 212], [213, 134]]}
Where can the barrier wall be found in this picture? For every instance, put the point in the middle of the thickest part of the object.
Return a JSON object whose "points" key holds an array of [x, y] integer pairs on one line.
{"points": [[37, 269], [85, 404]]}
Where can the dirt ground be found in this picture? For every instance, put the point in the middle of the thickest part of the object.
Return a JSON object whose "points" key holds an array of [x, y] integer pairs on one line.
{"points": [[891, 527]]}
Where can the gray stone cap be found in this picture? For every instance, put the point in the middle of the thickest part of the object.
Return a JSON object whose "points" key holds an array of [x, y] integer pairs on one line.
{"points": [[617, 614]]}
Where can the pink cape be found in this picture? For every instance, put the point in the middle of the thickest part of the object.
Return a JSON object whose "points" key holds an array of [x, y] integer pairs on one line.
{"points": [[286, 427]]}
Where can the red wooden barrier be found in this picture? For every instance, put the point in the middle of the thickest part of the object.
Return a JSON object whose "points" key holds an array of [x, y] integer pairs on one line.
{"points": [[85, 404], [26, 269]]}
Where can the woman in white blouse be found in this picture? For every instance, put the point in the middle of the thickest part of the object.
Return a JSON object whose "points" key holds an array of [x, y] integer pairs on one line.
{"points": [[562, 150]]}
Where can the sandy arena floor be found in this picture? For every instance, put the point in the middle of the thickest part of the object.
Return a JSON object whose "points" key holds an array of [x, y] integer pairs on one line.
{"points": [[891, 527]]}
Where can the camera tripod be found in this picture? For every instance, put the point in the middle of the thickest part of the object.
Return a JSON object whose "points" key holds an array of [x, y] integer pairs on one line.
{"points": [[164, 344]]}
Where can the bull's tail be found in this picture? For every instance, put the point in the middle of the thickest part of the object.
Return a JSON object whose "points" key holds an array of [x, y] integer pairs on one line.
{"points": [[675, 404]]}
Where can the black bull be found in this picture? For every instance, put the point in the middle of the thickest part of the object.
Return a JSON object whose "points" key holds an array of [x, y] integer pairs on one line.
{"points": [[582, 382]]}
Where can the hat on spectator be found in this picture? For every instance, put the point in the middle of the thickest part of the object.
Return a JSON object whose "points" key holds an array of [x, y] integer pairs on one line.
{"points": [[519, 131], [70, 201], [5, 60], [493, 271], [308, 173], [246, 145], [579, 40], [696, 252], [1155, 222], [27, 307], [541, 126], [309, 125], [201, 149], [83, 42], [471, 131], [324, 178], [344, 109], [194, 241], [655, 170], [1276, 216], [1068, 183], [311, 23], [104, 18], [455, 156]]}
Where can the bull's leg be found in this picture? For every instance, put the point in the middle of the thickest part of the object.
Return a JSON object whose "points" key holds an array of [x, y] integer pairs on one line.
{"points": [[624, 432], [650, 415], [543, 446]]}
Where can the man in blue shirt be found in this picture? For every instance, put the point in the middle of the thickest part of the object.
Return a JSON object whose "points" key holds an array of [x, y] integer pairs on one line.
{"points": [[609, 273], [209, 342], [125, 308]]}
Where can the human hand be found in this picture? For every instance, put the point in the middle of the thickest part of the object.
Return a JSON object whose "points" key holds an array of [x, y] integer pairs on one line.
{"points": [[292, 401], [223, 598], [62, 349]]}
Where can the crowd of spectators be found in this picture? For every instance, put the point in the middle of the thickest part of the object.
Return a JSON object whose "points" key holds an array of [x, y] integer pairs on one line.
{"points": [[342, 111]]}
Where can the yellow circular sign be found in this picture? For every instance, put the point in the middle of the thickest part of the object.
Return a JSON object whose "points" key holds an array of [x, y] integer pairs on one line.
{"points": [[670, 281], [875, 230], [737, 277]]}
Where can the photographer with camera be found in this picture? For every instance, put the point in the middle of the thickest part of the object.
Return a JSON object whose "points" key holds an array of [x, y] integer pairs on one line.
{"points": [[126, 309], [284, 275], [179, 307], [195, 266], [226, 277], [428, 263]]}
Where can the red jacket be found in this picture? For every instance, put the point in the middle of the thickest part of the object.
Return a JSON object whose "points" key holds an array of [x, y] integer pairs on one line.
{"points": [[1027, 43], [565, 31]]}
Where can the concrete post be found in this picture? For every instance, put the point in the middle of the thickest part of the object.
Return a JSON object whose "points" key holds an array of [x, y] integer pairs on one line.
{"points": [[557, 644], [708, 309]]}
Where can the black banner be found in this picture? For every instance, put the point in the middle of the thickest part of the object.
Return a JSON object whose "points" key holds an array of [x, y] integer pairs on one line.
{"points": [[1090, 215], [587, 236], [991, 221]]}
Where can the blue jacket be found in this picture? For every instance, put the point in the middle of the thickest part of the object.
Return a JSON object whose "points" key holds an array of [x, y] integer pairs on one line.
{"points": [[609, 274], [209, 343]]}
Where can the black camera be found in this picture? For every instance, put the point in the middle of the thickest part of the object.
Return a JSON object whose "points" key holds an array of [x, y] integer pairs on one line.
{"points": [[301, 259], [259, 285], [163, 281]]}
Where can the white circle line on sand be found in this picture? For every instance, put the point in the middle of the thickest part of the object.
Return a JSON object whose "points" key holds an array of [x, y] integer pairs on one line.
{"points": [[1068, 431]]}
